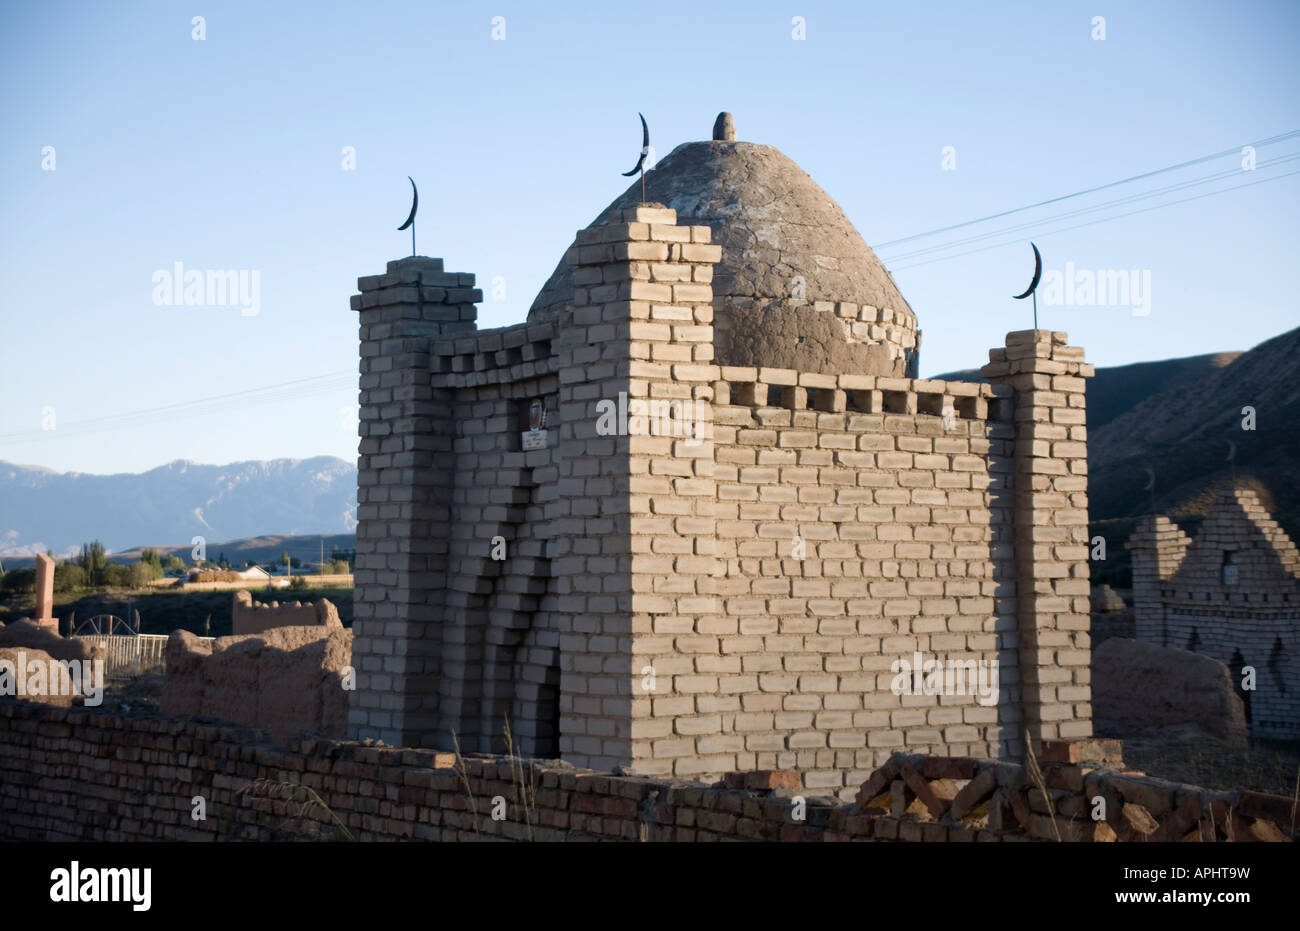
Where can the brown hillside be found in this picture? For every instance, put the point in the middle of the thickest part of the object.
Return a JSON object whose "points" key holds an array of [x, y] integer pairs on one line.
{"points": [[1184, 436]]}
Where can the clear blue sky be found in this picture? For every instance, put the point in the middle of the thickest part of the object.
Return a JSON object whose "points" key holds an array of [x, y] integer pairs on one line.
{"points": [[226, 153]]}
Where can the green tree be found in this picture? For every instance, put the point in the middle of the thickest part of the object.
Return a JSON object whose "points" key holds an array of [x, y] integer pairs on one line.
{"points": [[69, 577], [173, 563], [141, 574], [19, 581], [93, 560], [150, 556], [115, 575]]}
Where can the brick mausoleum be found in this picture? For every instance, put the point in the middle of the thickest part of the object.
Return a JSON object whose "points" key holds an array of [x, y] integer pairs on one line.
{"points": [[1232, 593], [686, 518]]}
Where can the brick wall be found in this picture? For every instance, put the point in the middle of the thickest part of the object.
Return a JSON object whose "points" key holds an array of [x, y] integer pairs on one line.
{"points": [[498, 638], [726, 579], [1049, 500], [856, 523], [404, 472], [1245, 614], [82, 775]]}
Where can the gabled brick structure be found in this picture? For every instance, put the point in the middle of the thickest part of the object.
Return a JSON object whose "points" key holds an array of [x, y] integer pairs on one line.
{"points": [[1232, 593], [694, 568]]}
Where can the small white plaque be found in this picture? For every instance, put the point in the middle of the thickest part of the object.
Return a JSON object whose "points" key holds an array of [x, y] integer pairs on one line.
{"points": [[534, 439]]}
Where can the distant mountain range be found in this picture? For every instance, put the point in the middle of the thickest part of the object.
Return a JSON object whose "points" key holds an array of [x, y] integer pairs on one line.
{"points": [[45, 510], [1180, 418]]}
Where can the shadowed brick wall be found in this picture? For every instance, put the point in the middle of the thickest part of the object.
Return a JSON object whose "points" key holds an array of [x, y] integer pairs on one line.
{"points": [[80, 775]]}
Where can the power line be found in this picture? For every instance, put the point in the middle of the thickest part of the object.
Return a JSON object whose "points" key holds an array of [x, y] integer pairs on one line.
{"points": [[1101, 187], [298, 389], [1119, 201], [328, 383], [1102, 220]]}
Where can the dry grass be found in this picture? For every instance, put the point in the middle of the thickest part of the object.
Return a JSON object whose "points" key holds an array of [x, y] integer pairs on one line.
{"points": [[307, 798], [1036, 773], [525, 785], [525, 789], [463, 771], [1295, 798]]}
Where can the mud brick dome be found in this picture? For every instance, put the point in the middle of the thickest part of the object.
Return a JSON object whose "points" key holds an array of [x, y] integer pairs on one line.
{"points": [[797, 287]]}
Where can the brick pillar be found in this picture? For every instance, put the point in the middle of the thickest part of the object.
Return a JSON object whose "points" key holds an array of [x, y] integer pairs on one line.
{"points": [[404, 474], [1157, 548], [1050, 507], [640, 330], [677, 637]]}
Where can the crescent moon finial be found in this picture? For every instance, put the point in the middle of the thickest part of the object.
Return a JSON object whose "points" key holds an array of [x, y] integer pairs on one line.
{"points": [[645, 149], [1151, 479], [415, 204], [1038, 273]]}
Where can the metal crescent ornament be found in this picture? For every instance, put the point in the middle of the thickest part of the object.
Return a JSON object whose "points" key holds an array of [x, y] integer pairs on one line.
{"points": [[1151, 480], [1232, 450], [645, 149], [1038, 273], [415, 204]]}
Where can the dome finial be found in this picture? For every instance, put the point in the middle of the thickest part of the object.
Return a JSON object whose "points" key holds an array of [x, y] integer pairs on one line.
{"points": [[724, 128]]}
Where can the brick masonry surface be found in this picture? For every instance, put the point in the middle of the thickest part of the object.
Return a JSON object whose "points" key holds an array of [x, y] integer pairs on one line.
{"points": [[83, 775], [725, 581], [1232, 593]]}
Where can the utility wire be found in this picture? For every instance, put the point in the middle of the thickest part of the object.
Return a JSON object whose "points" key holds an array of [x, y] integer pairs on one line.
{"points": [[1092, 190], [329, 383], [1102, 220], [1119, 201], [312, 386]]}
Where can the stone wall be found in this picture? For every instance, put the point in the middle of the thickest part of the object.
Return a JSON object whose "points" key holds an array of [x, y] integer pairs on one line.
{"points": [[80, 775], [285, 680], [254, 617]]}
